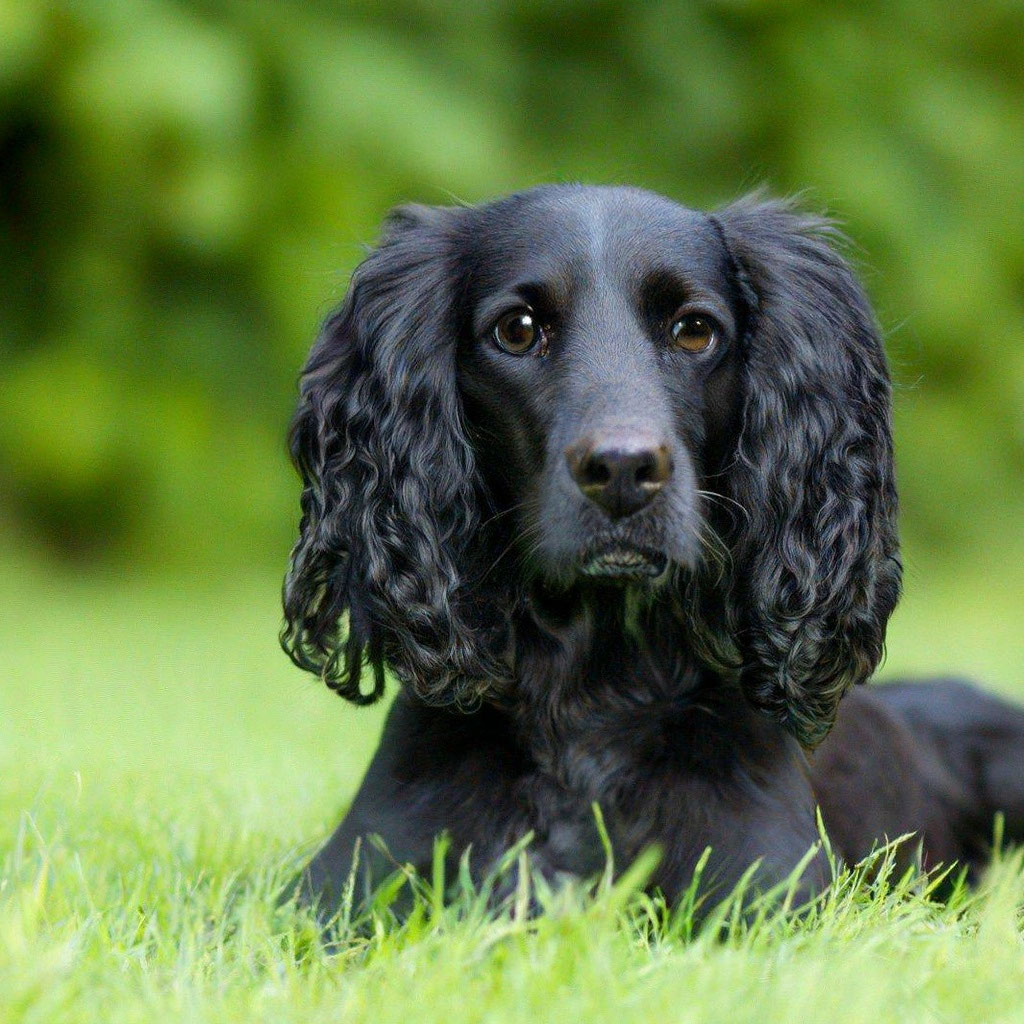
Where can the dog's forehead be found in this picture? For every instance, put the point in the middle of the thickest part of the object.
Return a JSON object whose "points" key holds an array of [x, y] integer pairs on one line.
{"points": [[584, 231]]}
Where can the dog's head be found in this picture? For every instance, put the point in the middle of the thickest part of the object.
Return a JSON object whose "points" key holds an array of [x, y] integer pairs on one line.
{"points": [[574, 388]]}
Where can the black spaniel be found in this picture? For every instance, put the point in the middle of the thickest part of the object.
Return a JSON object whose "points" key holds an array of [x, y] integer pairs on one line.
{"points": [[607, 484]]}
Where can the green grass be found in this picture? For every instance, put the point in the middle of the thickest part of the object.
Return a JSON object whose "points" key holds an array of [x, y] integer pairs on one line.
{"points": [[163, 770]]}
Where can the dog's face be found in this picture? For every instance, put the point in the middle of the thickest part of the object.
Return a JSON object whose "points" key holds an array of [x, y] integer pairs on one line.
{"points": [[577, 386], [598, 369]]}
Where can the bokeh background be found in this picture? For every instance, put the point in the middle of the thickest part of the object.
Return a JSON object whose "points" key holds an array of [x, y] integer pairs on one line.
{"points": [[184, 188]]}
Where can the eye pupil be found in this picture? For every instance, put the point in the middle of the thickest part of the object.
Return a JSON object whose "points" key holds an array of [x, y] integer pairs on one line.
{"points": [[517, 332], [693, 333]]}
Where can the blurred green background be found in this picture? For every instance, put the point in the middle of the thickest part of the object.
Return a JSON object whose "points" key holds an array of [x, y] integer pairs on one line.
{"points": [[184, 188]]}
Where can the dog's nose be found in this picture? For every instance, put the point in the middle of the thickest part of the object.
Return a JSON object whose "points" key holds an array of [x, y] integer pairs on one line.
{"points": [[620, 475]]}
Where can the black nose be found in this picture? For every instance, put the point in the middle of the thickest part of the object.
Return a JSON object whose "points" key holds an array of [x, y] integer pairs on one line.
{"points": [[620, 475]]}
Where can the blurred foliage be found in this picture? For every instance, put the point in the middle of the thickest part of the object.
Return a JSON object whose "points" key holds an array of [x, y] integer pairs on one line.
{"points": [[184, 188]]}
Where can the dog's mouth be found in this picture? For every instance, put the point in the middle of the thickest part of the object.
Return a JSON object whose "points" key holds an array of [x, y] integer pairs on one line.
{"points": [[624, 561]]}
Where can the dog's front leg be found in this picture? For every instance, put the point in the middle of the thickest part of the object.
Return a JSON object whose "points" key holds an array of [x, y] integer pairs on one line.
{"points": [[435, 771]]}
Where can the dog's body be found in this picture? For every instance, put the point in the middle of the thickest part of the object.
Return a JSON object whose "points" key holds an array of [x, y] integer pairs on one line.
{"points": [[608, 484], [932, 760]]}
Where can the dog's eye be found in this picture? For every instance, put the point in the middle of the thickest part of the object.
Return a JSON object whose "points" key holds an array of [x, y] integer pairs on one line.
{"points": [[694, 332], [518, 332]]}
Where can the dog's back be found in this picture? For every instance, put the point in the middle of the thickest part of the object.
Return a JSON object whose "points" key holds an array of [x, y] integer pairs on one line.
{"points": [[939, 759]]}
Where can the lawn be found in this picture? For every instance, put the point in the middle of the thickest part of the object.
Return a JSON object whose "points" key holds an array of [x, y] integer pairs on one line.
{"points": [[163, 769]]}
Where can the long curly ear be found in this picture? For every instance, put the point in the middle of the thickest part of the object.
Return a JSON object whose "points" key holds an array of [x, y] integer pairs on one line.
{"points": [[816, 555], [390, 500]]}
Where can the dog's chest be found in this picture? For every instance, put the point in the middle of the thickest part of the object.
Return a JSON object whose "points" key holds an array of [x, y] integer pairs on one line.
{"points": [[628, 771]]}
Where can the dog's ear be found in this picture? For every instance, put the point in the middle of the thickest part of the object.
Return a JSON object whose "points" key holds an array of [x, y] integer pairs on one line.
{"points": [[390, 501], [816, 569]]}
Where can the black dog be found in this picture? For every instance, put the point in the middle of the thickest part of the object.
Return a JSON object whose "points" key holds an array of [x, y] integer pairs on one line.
{"points": [[607, 483]]}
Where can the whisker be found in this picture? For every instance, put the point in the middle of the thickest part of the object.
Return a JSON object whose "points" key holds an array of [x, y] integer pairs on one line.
{"points": [[504, 512], [714, 496], [525, 535], [717, 550]]}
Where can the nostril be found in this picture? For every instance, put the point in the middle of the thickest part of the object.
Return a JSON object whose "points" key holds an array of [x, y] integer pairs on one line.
{"points": [[596, 473], [645, 471], [653, 468]]}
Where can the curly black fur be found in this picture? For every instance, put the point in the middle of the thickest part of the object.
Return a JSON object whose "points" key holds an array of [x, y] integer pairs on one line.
{"points": [[817, 569], [390, 503], [447, 533]]}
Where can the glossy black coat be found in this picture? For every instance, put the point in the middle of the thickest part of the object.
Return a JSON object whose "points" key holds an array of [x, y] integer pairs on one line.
{"points": [[675, 649]]}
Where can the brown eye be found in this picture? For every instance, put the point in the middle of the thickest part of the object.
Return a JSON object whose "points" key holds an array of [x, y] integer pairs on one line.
{"points": [[694, 333], [517, 332]]}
